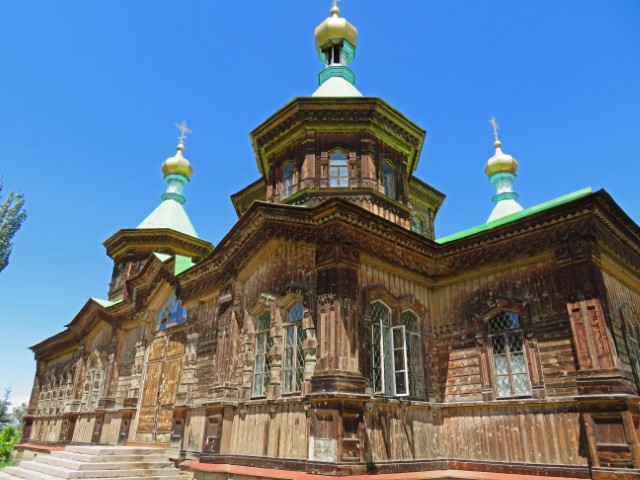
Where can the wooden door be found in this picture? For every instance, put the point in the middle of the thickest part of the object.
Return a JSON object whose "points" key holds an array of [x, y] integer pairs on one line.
{"points": [[162, 378]]}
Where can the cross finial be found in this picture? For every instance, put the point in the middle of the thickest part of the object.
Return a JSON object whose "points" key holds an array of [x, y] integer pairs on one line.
{"points": [[334, 7], [183, 131], [495, 126], [335, 3]]}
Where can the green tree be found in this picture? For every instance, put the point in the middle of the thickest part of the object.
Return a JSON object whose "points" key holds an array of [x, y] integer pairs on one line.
{"points": [[8, 438], [12, 216], [18, 415], [5, 415]]}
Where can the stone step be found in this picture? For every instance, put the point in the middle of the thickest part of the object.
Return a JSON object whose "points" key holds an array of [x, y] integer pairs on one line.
{"points": [[7, 476], [62, 472], [103, 465], [18, 473], [106, 450], [83, 457]]}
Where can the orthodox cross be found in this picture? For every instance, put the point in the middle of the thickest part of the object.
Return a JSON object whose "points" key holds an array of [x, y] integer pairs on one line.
{"points": [[183, 131], [495, 126], [335, 3]]}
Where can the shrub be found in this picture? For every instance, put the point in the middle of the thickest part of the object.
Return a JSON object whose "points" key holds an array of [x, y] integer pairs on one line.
{"points": [[8, 438]]}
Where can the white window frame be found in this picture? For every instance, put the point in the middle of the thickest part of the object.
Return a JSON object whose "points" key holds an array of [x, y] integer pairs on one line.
{"points": [[387, 384], [505, 335], [338, 171]]}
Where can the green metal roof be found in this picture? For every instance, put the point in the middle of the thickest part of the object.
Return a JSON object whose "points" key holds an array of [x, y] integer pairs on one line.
{"points": [[170, 214], [516, 216], [104, 303]]}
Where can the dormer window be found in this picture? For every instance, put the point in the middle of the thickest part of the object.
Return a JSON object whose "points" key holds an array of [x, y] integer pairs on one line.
{"points": [[338, 173], [389, 179], [332, 54], [287, 181]]}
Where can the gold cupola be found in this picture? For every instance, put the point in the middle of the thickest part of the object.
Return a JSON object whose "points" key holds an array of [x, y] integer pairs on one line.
{"points": [[501, 162], [177, 164], [335, 29]]}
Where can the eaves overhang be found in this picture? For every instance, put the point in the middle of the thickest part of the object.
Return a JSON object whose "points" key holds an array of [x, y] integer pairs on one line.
{"points": [[344, 114], [141, 242]]}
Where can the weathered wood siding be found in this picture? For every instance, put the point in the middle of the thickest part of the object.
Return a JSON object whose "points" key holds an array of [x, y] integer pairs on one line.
{"points": [[394, 432], [111, 428], [194, 430], [84, 428], [537, 434], [455, 366], [273, 430], [619, 295]]}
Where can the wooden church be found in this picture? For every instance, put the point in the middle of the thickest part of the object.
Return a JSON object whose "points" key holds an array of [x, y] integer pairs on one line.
{"points": [[330, 334]]}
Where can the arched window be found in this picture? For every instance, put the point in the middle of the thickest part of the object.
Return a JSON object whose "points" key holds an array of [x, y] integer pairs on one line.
{"points": [[287, 180], [416, 224], [338, 170], [389, 179], [507, 346], [293, 353], [396, 353], [262, 365]]}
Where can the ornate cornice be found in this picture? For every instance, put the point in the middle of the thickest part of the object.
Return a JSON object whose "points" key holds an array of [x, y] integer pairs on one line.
{"points": [[142, 242], [242, 200], [337, 115], [425, 194]]}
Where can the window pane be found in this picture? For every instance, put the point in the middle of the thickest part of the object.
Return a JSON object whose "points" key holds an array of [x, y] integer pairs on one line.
{"points": [[376, 360], [515, 342], [501, 365], [401, 386], [264, 322], [521, 384], [295, 312], [410, 321], [504, 321], [518, 364], [338, 170], [504, 388], [498, 344]]}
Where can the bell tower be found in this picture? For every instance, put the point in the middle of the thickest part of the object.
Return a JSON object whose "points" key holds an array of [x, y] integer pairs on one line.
{"points": [[338, 143]]}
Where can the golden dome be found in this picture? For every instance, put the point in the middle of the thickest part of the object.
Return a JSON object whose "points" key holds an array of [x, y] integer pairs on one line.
{"points": [[178, 164], [335, 27], [500, 162]]}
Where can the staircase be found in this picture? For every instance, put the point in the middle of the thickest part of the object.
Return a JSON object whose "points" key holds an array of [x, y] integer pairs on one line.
{"points": [[97, 463]]}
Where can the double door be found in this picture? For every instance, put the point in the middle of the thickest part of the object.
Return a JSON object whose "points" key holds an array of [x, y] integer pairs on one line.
{"points": [[161, 381]]}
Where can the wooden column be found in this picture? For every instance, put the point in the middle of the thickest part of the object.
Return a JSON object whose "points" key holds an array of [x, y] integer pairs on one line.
{"points": [[337, 368]]}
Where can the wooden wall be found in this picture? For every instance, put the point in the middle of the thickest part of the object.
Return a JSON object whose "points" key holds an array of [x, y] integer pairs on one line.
{"points": [[111, 428], [394, 432], [278, 430], [456, 306], [535, 434]]}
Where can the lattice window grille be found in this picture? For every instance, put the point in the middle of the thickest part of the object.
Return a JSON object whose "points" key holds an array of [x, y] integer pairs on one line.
{"points": [[507, 345], [293, 352], [262, 365], [390, 373]]}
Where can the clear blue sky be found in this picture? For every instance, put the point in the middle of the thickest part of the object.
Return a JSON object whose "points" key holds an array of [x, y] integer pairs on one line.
{"points": [[90, 91]]}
